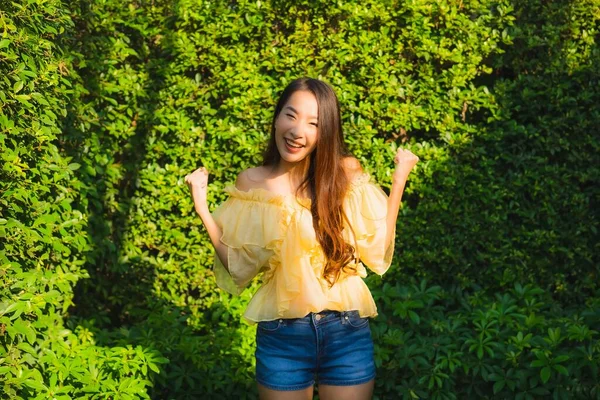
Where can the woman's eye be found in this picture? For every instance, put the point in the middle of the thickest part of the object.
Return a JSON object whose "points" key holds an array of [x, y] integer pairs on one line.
{"points": [[314, 123], [290, 115]]}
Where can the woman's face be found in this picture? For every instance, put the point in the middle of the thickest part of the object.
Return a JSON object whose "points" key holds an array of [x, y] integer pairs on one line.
{"points": [[296, 126]]}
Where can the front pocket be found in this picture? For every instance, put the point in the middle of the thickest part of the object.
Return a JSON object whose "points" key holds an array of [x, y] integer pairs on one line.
{"points": [[270, 326], [354, 319]]}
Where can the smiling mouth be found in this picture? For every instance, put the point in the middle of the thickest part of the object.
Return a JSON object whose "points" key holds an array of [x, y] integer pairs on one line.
{"points": [[293, 144]]}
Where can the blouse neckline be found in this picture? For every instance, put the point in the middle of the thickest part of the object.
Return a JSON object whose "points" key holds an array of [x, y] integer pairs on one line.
{"points": [[265, 195]]}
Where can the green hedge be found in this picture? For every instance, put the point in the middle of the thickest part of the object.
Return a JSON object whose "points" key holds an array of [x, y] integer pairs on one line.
{"points": [[43, 227], [497, 98], [517, 201], [454, 343]]}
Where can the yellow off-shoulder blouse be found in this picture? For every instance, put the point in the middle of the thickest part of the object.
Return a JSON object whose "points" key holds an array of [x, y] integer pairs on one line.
{"points": [[273, 234]]}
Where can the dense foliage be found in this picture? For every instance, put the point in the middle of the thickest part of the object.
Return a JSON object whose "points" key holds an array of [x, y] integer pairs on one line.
{"points": [[106, 289], [43, 225]]}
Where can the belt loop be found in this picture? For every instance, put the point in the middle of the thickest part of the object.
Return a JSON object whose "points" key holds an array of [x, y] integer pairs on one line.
{"points": [[343, 317]]}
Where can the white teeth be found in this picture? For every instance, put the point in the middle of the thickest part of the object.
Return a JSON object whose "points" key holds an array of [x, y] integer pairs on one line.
{"points": [[292, 144]]}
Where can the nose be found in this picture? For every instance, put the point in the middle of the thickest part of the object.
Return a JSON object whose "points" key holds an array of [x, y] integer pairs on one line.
{"points": [[296, 134]]}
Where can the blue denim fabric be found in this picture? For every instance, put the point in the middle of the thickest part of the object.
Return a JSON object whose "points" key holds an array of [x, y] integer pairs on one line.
{"points": [[329, 347]]}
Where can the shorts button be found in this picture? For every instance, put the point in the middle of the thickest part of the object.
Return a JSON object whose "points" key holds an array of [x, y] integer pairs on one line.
{"points": [[318, 317]]}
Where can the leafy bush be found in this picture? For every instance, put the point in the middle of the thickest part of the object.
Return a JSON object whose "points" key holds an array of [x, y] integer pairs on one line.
{"points": [[44, 242], [106, 105], [517, 201], [455, 343]]}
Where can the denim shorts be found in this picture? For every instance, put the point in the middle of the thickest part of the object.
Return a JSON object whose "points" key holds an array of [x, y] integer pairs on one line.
{"points": [[329, 347]]}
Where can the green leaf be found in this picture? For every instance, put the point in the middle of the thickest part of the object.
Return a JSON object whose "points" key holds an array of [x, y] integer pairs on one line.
{"points": [[17, 86], [560, 359], [545, 374], [35, 385], [498, 386], [537, 363], [28, 348], [414, 317], [561, 369], [154, 367]]}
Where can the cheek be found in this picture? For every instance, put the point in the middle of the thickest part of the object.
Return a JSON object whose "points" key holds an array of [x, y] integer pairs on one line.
{"points": [[313, 137], [313, 144], [281, 124], [278, 130]]}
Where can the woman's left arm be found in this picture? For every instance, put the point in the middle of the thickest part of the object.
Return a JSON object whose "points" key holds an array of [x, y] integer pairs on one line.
{"points": [[405, 160]]}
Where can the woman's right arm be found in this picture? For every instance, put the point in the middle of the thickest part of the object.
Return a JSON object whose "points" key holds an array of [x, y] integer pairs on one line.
{"points": [[197, 181]]}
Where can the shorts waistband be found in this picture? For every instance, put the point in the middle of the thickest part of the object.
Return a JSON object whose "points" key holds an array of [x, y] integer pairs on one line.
{"points": [[325, 315], [320, 317], [327, 312]]}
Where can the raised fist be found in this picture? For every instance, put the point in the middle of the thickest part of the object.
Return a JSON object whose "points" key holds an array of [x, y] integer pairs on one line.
{"points": [[405, 160], [197, 181]]}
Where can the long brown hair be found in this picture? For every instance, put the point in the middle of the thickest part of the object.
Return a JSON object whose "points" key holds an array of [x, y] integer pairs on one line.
{"points": [[326, 180]]}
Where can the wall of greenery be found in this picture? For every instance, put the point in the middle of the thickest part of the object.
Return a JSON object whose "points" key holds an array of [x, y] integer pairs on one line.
{"points": [[105, 282]]}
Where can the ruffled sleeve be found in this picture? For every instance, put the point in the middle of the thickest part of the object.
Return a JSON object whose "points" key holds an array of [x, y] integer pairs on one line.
{"points": [[250, 230], [366, 208]]}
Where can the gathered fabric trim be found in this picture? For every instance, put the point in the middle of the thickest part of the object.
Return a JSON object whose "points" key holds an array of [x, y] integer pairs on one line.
{"points": [[278, 224]]}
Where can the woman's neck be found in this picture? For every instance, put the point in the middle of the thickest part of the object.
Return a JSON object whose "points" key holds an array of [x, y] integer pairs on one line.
{"points": [[294, 172]]}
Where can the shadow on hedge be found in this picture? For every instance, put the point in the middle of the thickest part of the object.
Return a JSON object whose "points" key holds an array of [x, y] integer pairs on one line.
{"points": [[518, 199], [117, 303]]}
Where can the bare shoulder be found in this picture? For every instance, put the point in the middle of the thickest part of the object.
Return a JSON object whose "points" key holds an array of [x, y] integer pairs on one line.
{"points": [[250, 178], [352, 167]]}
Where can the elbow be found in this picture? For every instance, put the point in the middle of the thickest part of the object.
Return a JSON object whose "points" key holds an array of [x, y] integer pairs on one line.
{"points": [[224, 262]]}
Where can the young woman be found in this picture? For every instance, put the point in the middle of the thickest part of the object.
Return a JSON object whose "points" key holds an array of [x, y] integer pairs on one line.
{"points": [[307, 219]]}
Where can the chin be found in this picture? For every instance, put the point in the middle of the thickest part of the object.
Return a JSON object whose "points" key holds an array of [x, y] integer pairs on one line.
{"points": [[293, 159]]}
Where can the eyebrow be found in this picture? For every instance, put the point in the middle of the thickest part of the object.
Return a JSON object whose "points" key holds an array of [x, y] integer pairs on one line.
{"points": [[294, 110]]}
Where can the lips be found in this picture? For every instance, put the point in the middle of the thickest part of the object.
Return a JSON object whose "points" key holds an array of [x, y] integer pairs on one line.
{"points": [[293, 144]]}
